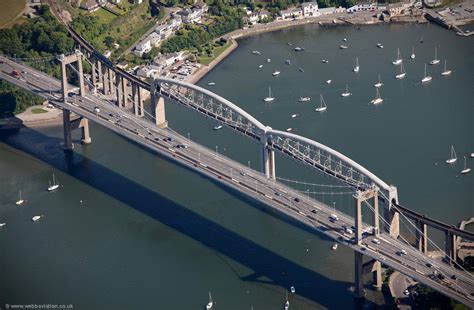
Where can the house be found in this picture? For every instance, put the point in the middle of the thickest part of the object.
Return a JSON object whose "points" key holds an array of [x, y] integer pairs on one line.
{"points": [[310, 9], [154, 38], [137, 1], [115, 1], [148, 71], [176, 22], [194, 14], [142, 48], [255, 17], [291, 13], [329, 10], [362, 6], [168, 59], [90, 6]]}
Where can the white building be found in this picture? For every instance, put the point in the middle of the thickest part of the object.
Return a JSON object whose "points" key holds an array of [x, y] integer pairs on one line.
{"points": [[363, 6], [167, 60], [142, 48], [291, 13], [194, 14], [154, 38], [325, 11], [148, 71], [310, 9], [255, 17]]}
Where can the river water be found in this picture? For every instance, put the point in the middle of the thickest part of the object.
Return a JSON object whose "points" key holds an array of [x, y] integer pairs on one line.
{"points": [[129, 230]]}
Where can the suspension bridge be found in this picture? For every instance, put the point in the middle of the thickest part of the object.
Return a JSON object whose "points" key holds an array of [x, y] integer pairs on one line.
{"points": [[117, 104]]}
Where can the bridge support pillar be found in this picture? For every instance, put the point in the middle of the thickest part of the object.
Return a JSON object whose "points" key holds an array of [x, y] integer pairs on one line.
{"points": [[361, 197], [86, 138], [124, 91], [450, 247], [137, 100], [268, 155], [394, 221], [111, 81], [99, 71], [117, 89], [93, 73], [157, 106], [68, 146], [422, 237], [358, 275], [82, 90], [377, 275]]}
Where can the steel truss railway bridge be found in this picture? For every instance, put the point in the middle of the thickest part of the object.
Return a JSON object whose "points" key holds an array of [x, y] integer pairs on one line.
{"points": [[114, 99]]}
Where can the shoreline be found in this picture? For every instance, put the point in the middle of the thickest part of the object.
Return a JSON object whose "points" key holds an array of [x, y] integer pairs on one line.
{"points": [[338, 19]]}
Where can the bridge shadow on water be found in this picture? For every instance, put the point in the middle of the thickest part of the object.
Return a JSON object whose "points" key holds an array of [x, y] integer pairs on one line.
{"points": [[264, 263]]}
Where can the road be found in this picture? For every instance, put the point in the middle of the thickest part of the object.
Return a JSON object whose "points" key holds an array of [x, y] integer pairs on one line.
{"points": [[398, 284], [278, 197]]}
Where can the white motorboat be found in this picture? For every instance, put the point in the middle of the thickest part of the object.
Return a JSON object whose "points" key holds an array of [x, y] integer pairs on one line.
{"points": [[379, 45], [256, 53], [289, 129], [211, 84], [343, 47], [345, 40], [397, 61], [453, 158], [3, 224], [217, 127], [322, 106], [210, 304], [346, 93], [287, 303], [446, 71], [426, 78], [54, 185], [261, 66], [328, 81], [292, 289], [269, 60], [466, 169], [472, 155], [20, 201], [269, 98], [36, 218], [402, 73], [377, 98], [304, 99], [435, 61], [379, 83], [334, 246], [276, 73], [325, 61], [294, 115], [356, 68], [287, 62], [412, 56], [301, 69], [289, 44], [297, 49]]}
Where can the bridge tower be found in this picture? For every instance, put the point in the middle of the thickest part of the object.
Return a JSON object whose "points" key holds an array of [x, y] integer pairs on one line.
{"points": [[268, 154], [374, 267], [157, 105], [82, 123]]}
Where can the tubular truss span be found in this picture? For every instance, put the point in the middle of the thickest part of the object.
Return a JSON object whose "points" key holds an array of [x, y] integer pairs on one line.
{"points": [[304, 150]]}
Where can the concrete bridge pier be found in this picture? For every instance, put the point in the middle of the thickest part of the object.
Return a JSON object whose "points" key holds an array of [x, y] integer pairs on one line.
{"points": [[110, 74], [361, 197], [93, 73], [358, 275], [422, 236], [268, 156], [117, 89], [157, 106], [450, 247], [124, 91], [68, 145], [137, 100], [99, 73], [83, 123]]}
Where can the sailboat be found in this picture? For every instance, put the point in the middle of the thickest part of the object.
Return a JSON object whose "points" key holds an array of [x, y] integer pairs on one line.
{"points": [[346, 93], [269, 98], [379, 83], [435, 61], [210, 304], [20, 201], [304, 99], [427, 78], [54, 186], [397, 61], [402, 73], [356, 68], [453, 157], [412, 56], [466, 169], [446, 71], [377, 98], [287, 303], [323, 105]]}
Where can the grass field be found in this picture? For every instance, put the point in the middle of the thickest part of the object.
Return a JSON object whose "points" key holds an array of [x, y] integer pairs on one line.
{"points": [[10, 9], [105, 16], [217, 51], [38, 111]]}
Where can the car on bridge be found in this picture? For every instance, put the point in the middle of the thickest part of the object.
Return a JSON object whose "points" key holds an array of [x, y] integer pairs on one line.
{"points": [[376, 241]]}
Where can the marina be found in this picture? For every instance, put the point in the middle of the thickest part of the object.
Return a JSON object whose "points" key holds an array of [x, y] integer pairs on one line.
{"points": [[160, 230]]}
